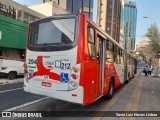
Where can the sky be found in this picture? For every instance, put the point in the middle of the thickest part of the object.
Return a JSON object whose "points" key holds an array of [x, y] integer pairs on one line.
{"points": [[149, 8]]}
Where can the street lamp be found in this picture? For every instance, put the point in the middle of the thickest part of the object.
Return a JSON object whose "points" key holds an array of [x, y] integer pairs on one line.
{"points": [[146, 17]]}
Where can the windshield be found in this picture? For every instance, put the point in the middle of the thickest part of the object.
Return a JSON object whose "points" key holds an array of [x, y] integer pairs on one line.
{"points": [[53, 32]]}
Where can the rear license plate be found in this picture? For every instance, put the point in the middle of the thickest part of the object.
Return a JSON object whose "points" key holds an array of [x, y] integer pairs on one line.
{"points": [[46, 84]]}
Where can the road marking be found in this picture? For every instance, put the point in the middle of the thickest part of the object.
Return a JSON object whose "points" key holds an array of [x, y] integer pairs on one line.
{"points": [[11, 90], [108, 105], [132, 104], [26, 104]]}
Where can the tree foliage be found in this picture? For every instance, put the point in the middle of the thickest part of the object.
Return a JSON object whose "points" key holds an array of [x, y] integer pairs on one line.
{"points": [[153, 35], [150, 50]]}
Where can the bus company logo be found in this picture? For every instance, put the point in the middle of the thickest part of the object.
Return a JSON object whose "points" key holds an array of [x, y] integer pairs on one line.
{"points": [[20, 114], [49, 63], [6, 114]]}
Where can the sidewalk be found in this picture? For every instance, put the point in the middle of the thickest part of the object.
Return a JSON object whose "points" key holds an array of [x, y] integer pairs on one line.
{"points": [[6, 81], [141, 94], [139, 72]]}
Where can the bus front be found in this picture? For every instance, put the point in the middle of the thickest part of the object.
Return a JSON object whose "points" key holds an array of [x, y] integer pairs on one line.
{"points": [[51, 67]]}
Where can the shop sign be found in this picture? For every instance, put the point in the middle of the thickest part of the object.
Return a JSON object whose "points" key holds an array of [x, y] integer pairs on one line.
{"points": [[7, 9]]}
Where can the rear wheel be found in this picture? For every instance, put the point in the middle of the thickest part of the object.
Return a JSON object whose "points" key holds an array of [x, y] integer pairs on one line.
{"points": [[111, 90], [127, 81], [12, 75]]}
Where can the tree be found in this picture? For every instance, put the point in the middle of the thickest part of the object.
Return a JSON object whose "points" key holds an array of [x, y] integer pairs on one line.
{"points": [[153, 35], [150, 50]]}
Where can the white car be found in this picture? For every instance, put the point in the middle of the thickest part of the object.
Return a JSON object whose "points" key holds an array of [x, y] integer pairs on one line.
{"points": [[11, 68]]}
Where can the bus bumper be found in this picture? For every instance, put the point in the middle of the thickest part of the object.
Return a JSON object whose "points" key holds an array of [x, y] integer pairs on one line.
{"points": [[75, 96]]}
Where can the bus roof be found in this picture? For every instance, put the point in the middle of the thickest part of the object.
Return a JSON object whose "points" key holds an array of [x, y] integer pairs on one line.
{"points": [[92, 22]]}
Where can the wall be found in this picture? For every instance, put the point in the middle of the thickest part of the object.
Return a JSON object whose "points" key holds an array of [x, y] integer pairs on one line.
{"points": [[14, 33], [48, 9], [44, 8], [20, 10]]}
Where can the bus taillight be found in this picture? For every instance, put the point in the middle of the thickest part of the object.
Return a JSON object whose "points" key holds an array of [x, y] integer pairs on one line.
{"points": [[75, 69], [74, 76]]}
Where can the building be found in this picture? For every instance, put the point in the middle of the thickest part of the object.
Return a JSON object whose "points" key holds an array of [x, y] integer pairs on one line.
{"points": [[17, 11], [14, 19], [128, 23], [50, 7], [109, 14], [78, 6], [75, 6]]}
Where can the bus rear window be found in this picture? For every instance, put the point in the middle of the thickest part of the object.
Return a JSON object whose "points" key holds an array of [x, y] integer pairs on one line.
{"points": [[53, 32]]}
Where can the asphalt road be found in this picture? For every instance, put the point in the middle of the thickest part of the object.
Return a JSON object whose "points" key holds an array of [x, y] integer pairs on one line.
{"points": [[12, 95], [140, 94]]}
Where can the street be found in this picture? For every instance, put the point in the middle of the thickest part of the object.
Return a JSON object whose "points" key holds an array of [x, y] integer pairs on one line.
{"points": [[12, 95], [140, 94]]}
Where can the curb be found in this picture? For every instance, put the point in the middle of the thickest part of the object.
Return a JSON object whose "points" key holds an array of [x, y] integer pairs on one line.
{"points": [[5, 81]]}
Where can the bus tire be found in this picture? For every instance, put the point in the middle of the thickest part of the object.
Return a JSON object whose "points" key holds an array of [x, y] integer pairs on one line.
{"points": [[111, 89], [127, 81], [12, 75]]}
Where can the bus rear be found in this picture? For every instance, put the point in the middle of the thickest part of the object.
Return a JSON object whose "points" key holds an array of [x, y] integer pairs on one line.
{"points": [[51, 67]]}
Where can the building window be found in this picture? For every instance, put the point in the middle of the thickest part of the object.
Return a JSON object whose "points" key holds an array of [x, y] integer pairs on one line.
{"points": [[109, 51], [32, 18], [58, 2], [26, 17]]}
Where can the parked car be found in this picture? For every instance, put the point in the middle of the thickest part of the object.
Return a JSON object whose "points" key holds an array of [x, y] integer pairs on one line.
{"points": [[11, 68]]}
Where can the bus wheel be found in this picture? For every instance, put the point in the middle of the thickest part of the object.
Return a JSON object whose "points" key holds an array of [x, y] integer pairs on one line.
{"points": [[12, 75], [127, 81], [111, 90]]}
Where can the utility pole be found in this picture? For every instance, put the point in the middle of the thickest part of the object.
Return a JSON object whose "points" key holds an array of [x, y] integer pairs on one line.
{"points": [[89, 8], [72, 6], [82, 6], [125, 54]]}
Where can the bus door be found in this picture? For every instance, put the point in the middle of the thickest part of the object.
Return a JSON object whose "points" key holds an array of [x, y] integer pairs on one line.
{"points": [[100, 66]]}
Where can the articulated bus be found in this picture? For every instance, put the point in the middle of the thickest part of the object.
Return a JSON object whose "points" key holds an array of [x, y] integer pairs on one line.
{"points": [[68, 57]]}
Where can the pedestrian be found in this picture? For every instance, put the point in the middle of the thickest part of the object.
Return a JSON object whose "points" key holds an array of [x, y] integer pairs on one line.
{"points": [[150, 70], [146, 70]]}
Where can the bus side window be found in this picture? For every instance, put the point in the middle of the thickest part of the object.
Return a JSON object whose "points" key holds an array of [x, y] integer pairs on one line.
{"points": [[117, 60], [109, 51], [129, 59], [91, 42]]}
